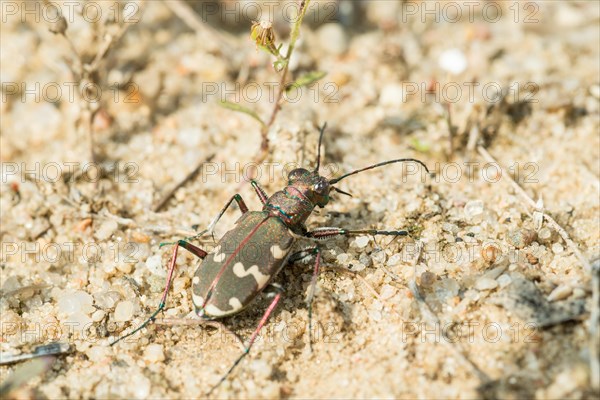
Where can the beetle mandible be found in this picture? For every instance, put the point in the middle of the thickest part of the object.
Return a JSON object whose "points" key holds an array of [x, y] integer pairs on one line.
{"points": [[248, 257]]}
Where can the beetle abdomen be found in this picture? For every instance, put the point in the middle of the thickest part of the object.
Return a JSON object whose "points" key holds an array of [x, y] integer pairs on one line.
{"points": [[243, 263]]}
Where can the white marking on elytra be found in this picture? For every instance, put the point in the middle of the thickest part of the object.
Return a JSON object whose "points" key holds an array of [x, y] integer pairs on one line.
{"points": [[241, 272], [214, 311], [277, 252], [218, 257], [196, 280], [197, 300], [235, 304]]}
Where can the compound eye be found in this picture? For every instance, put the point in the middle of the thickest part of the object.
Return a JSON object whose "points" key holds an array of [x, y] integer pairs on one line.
{"points": [[297, 174], [320, 187]]}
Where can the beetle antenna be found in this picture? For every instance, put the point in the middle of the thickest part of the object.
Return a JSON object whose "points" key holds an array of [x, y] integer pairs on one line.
{"points": [[336, 180], [319, 148], [341, 191]]}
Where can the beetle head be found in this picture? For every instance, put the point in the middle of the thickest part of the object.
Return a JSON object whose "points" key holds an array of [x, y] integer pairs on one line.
{"points": [[315, 187]]}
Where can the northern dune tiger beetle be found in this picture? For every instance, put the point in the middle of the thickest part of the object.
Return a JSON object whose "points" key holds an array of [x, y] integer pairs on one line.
{"points": [[248, 257]]}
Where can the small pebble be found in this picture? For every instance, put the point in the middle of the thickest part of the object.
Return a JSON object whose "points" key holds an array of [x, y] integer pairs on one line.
{"points": [[124, 267], [486, 284], [78, 321], [521, 238], [141, 386], [106, 229], [544, 233], [140, 237], [343, 258], [261, 368], [494, 273], [154, 353], [378, 256], [377, 305], [453, 61], [375, 315], [357, 266], [387, 291], [124, 311], [561, 292], [107, 300], [557, 248], [332, 39], [76, 302], [154, 264], [11, 283], [395, 259], [473, 209], [365, 259], [472, 295], [391, 96], [98, 315], [451, 228], [97, 353], [446, 289], [361, 241], [427, 279], [572, 378], [578, 293], [504, 280]]}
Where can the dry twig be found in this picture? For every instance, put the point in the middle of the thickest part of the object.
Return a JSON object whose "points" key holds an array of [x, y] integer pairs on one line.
{"points": [[561, 231], [192, 20], [85, 73], [188, 177]]}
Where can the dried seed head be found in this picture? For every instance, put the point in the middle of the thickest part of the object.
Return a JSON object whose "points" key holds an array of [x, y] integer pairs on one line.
{"points": [[262, 33]]}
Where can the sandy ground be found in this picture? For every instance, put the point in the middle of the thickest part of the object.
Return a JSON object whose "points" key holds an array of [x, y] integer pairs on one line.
{"points": [[485, 299]]}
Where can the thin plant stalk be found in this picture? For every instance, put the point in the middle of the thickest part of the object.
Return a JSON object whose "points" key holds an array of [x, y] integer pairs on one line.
{"points": [[264, 147]]}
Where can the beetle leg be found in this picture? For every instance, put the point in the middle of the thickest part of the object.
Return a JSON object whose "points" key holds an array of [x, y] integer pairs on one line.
{"points": [[211, 227], [311, 251], [260, 192], [241, 204], [265, 317], [329, 232], [198, 252]]}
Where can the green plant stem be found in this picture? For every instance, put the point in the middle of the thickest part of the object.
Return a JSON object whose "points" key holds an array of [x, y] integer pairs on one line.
{"points": [[264, 147]]}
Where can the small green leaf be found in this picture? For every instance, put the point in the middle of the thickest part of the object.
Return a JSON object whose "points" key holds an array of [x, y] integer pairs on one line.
{"points": [[307, 79], [420, 146], [239, 108]]}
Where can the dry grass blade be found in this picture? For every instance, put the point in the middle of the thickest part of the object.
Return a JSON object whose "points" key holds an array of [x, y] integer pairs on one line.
{"points": [[561, 231], [357, 276], [24, 374], [165, 199], [195, 322], [192, 20]]}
